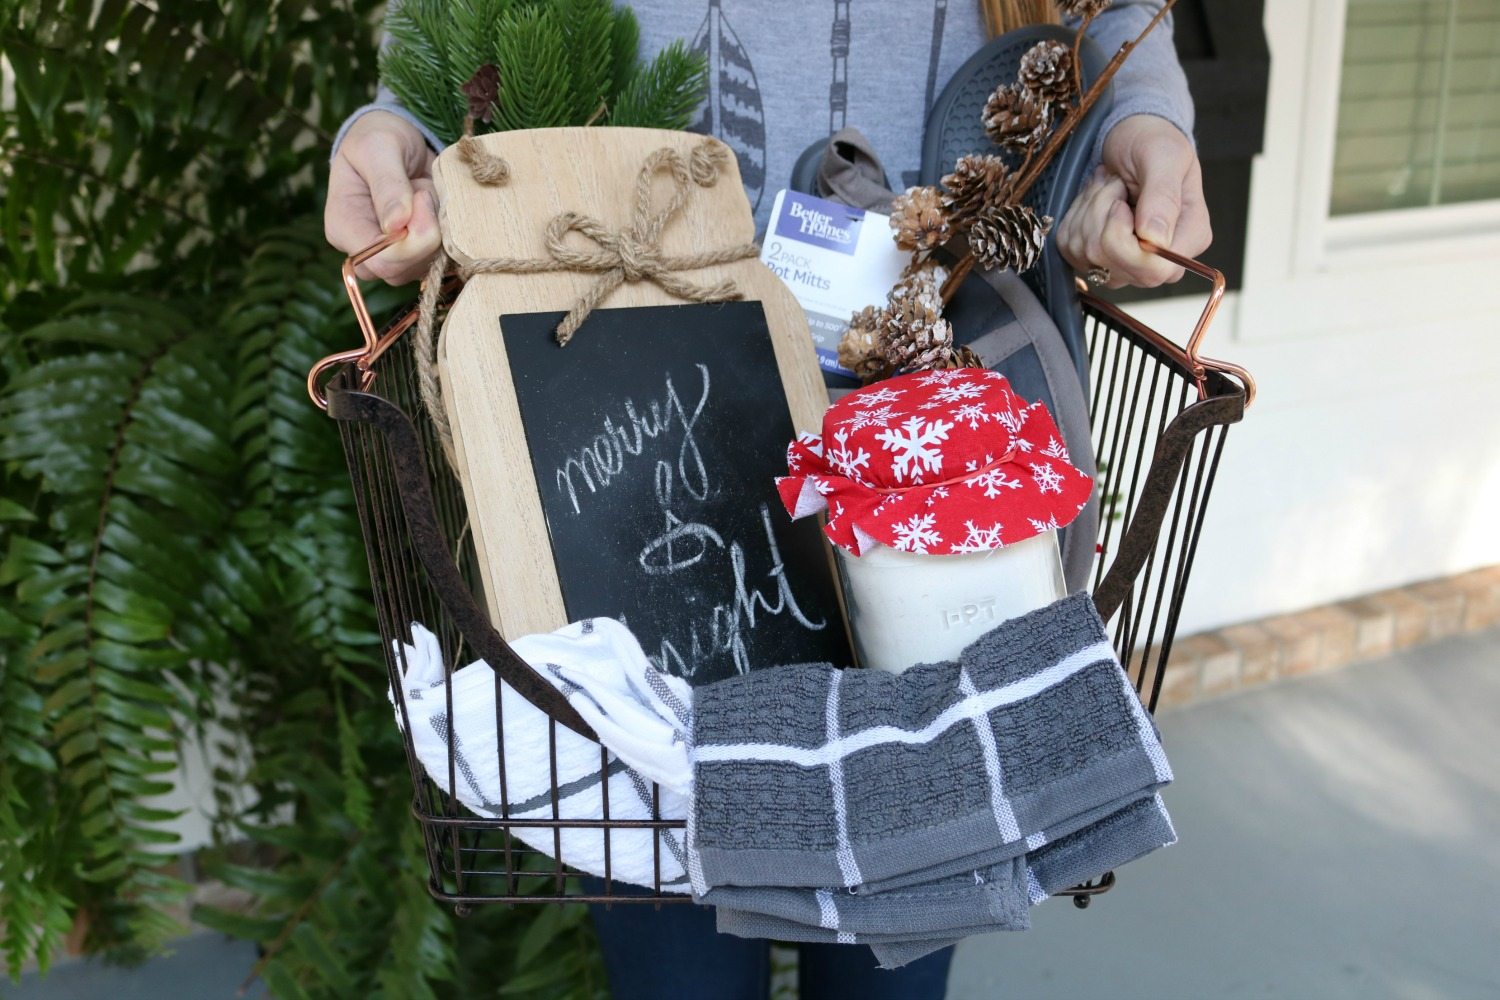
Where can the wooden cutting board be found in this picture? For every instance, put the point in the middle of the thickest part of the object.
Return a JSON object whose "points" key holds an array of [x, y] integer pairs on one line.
{"points": [[590, 171]]}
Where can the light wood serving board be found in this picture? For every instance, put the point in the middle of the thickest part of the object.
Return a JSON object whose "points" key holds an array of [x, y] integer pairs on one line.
{"points": [[591, 171]]}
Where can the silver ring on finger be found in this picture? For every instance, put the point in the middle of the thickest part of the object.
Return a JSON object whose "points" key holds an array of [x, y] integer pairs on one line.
{"points": [[1098, 276]]}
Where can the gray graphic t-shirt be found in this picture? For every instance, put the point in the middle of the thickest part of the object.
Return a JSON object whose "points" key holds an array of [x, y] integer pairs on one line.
{"points": [[783, 74]]}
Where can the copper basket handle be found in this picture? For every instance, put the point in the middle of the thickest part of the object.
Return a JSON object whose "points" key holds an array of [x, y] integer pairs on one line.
{"points": [[1196, 364], [375, 345], [363, 358]]}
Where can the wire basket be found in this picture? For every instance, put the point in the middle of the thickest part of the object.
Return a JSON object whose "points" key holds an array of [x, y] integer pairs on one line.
{"points": [[1160, 415]]}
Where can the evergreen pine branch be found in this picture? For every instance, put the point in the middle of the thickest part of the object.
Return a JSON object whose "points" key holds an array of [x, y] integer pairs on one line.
{"points": [[471, 37], [559, 60], [665, 92], [588, 35], [625, 43], [415, 64], [536, 84]]}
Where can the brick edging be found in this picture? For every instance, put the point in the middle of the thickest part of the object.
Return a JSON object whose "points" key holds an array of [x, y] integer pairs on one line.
{"points": [[1243, 656]]}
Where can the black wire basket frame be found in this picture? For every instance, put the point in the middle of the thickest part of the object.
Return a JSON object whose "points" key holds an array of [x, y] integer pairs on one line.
{"points": [[1159, 418]]}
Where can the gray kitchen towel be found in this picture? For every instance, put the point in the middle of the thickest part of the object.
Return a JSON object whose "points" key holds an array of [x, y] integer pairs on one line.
{"points": [[987, 855], [995, 897], [1129, 834], [1116, 840], [859, 777], [1000, 897]]}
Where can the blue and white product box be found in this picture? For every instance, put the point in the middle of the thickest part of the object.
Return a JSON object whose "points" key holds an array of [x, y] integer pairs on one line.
{"points": [[835, 259]]}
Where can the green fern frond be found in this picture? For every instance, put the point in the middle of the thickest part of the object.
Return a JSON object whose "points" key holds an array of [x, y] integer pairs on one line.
{"points": [[179, 549], [35, 912], [117, 103], [126, 427]]}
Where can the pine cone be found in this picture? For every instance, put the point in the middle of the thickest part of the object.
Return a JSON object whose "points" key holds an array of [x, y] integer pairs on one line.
{"points": [[1083, 9], [482, 90], [920, 348], [861, 350], [1015, 118], [976, 182], [912, 327], [923, 275], [1047, 72], [920, 219], [1009, 236], [965, 357]]}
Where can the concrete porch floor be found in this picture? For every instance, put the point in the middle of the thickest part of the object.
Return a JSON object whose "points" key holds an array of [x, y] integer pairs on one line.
{"points": [[1340, 838]]}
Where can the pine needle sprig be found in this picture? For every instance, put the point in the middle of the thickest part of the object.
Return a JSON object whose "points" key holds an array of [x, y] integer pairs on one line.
{"points": [[536, 81], [625, 42], [588, 28], [465, 30], [415, 65], [560, 62], [664, 92]]}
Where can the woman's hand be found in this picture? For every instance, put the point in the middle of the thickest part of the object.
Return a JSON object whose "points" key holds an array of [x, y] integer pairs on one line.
{"points": [[381, 182], [1149, 184]]}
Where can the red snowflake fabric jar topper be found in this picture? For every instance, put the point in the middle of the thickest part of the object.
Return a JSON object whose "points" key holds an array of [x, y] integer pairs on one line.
{"points": [[935, 462]]}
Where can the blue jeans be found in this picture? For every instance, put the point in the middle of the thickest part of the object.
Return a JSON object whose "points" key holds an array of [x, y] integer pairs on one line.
{"points": [[674, 953]]}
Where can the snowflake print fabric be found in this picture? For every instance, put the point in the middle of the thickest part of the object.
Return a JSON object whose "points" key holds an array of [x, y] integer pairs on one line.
{"points": [[942, 463]]}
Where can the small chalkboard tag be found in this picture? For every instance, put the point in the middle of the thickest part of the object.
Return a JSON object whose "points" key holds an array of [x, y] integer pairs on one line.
{"points": [[654, 438]]}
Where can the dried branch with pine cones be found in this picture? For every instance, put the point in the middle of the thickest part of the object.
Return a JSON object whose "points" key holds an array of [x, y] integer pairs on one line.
{"points": [[978, 206]]}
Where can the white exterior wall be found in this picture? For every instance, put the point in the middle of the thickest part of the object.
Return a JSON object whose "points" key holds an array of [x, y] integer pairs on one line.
{"points": [[1371, 457]]}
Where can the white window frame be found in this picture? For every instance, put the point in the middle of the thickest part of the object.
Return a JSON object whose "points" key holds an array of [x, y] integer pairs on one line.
{"points": [[1306, 270], [1367, 231]]}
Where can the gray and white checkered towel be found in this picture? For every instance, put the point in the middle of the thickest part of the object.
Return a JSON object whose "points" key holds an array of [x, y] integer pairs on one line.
{"points": [[864, 806], [902, 925], [903, 812]]}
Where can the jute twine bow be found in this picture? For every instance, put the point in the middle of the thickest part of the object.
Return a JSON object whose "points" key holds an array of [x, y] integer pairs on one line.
{"points": [[632, 254]]}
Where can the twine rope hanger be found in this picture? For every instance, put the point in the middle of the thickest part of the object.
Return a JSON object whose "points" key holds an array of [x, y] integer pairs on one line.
{"points": [[629, 255]]}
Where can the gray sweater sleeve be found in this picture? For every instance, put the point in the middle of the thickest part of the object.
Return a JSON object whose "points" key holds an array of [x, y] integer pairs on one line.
{"points": [[384, 101], [1151, 81]]}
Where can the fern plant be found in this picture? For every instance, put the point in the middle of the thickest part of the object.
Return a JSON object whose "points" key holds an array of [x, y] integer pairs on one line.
{"points": [[560, 62], [179, 559]]}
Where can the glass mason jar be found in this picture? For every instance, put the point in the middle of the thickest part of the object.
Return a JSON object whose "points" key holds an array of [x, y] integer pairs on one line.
{"points": [[907, 608]]}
